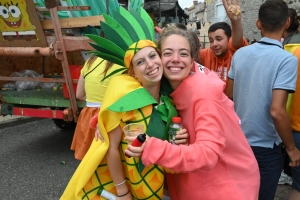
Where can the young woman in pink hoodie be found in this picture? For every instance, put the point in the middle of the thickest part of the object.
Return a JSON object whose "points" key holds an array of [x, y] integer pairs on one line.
{"points": [[218, 163]]}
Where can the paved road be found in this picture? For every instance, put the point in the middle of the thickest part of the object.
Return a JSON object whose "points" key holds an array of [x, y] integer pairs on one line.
{"points": [[30, 162]]}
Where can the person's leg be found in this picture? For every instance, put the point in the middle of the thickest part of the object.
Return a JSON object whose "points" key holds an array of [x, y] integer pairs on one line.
{"points": [[270, 162], [295, 194]]}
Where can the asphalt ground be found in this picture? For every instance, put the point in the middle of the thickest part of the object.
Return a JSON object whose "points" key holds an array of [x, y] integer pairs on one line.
{"points": [[36, 161]]}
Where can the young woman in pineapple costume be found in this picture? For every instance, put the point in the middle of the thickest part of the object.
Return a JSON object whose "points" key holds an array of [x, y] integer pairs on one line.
{"points": [[129, 98]]}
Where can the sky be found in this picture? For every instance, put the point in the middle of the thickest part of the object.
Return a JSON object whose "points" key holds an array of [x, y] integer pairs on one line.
{"points": [[186, 3]]}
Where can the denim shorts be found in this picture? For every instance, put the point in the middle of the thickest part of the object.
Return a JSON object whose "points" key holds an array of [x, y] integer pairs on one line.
{"points": [[296, 170]]}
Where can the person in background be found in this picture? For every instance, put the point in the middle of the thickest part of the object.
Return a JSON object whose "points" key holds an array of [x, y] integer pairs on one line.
{"points": [[292, 44], [224, 41], [259, 87], [218, 163], [291, 34], [91, 89]]}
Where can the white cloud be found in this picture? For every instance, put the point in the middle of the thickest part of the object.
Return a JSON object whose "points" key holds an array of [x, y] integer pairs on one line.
{"points": [[187, 3]]}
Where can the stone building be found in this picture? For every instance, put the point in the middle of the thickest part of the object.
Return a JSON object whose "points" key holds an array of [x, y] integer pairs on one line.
{"points": [[249, 14], [198, 21]]}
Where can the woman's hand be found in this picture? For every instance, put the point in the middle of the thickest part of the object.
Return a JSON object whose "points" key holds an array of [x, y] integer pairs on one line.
{"points": [[182, 137], [98, 135], [134, 151]]}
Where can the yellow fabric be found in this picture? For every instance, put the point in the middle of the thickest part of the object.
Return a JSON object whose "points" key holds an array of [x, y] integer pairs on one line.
{"points": [[135, 47], [93, 172], [93, 86], [292, 106]]}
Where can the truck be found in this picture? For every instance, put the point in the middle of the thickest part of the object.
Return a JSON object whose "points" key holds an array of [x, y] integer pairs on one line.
{"points": [[28, 44], [53, 56]]}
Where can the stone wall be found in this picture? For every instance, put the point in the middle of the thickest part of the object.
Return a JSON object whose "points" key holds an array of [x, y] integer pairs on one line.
{"points": [[250, 15]]}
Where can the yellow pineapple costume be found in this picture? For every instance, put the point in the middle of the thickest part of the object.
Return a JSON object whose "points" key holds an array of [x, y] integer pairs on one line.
{"points": [[125, 101], [294, 49]]}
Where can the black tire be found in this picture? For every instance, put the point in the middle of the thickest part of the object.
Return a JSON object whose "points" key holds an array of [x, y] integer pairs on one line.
{"points": [[62, 124]]}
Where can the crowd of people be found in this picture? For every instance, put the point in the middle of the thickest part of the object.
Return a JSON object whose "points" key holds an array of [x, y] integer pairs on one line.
{"points": [[236, 101]]}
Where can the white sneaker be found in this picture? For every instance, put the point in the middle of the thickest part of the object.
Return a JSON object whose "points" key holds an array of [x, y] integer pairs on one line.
{"points": [[285, 179]]}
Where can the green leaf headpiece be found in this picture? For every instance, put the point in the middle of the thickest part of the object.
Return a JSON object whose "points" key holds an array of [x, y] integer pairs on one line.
{"points": [[126, 33]]}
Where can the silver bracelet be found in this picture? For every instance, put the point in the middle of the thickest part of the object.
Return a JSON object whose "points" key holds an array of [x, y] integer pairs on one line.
{"points": [[120, 183]]}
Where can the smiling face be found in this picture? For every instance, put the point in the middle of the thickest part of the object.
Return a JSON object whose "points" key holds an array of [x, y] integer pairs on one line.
{"points": [[218, 42], [147, 67], [14, 16], [176, 59]]}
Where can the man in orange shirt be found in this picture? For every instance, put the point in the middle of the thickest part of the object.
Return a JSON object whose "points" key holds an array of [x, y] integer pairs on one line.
{"points": [[224, 42]]}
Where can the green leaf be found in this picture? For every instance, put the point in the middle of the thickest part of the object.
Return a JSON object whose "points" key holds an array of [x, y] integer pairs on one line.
{"points": [[136, 99], [113, 73], [130, 26], [107, 44], [103, 50], [149, 22], [108, 57], [138, 17], [138, 29], [115, 32]]}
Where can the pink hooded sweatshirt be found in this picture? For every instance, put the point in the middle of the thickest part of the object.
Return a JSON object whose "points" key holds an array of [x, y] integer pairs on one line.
{"points": [[218, 163]]}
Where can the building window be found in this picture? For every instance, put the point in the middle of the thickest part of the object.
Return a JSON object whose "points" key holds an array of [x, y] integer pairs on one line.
{"points": [[220, 11]]}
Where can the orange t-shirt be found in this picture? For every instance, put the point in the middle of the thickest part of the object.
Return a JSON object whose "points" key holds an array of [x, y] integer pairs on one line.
{"points": [[295, 110], [220, 65]]}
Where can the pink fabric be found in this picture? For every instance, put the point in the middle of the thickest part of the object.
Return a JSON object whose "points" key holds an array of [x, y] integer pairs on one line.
{"points": [[218, 163]]}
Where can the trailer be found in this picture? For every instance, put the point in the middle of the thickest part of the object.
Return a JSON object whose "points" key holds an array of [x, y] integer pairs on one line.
{"points": [[25, 44]]}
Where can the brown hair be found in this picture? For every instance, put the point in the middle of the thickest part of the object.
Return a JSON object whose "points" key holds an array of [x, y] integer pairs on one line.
{"points": [[173, 30], [197, 45], [294, 25]]}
